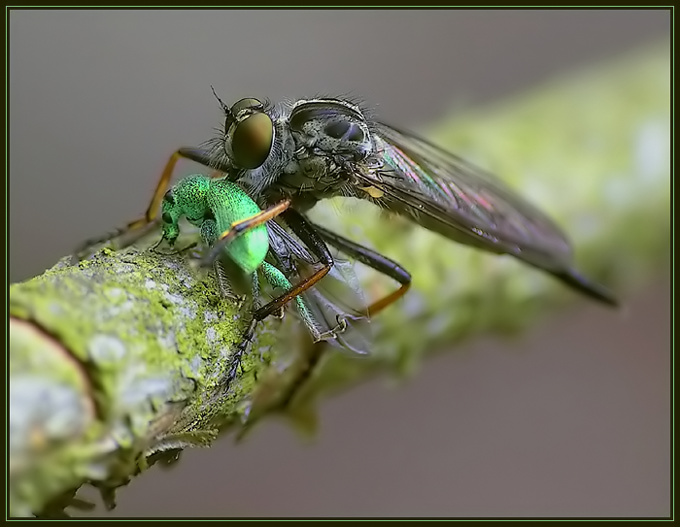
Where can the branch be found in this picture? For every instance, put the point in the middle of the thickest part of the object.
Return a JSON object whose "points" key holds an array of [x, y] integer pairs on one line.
{"points": [[120, 361]]}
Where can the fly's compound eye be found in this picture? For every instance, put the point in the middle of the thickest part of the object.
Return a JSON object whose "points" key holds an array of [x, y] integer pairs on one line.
{"points": [[241, 110], [246, 105], [251, 133]]}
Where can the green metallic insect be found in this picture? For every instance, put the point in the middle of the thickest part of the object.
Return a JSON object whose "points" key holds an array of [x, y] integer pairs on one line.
{"points": [[222, 211]]}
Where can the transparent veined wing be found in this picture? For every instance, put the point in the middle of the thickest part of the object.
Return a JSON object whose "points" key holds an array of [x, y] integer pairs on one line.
{"points": [[338, 294], [448, 195]]}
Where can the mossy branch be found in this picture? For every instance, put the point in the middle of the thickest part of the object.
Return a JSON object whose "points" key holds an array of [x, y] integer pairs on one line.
{"points": [[124, 356]]}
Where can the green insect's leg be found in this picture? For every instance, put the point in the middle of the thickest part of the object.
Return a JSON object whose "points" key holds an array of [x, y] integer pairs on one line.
{"points": [[209, 234], [277, 280], [225, 286]]}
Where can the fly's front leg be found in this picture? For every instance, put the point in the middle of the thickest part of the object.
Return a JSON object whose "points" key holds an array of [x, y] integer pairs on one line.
{"points": [[246, 341], [137, 228], [247, 337], [368, 257], [141, 226]]}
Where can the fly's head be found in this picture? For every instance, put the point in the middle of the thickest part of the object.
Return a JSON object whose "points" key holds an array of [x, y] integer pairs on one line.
{"points": [[248, 134]]}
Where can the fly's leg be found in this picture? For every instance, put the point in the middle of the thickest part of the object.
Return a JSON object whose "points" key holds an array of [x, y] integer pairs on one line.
{"points": [[246, 341], [138, 228], [368, 257], [246, 338], [277, 279], [376, 261], [334, 332], [301, 228]]}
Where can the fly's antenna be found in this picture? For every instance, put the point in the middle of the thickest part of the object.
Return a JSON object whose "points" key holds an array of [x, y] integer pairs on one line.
{"points": [[224, 106]]}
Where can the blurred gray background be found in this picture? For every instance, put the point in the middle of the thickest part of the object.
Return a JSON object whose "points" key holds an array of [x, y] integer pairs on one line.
{"points": [[570, 420]]}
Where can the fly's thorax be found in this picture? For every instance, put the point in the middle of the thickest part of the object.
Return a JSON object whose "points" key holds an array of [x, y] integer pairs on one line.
{"points": [[316, 140], [330, 127]]}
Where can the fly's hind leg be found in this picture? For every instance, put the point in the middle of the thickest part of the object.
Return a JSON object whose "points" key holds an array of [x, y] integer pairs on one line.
{"points": [[368, 257], [315, 238], [376, 261]]}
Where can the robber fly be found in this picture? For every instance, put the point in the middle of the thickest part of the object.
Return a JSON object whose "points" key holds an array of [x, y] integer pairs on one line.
{"points": [[298, 153], [305, 151]]}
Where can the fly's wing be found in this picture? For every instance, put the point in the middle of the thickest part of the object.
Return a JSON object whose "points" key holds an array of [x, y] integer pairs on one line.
{"points": [[338, 294], [450, 196], [460, 201]]}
